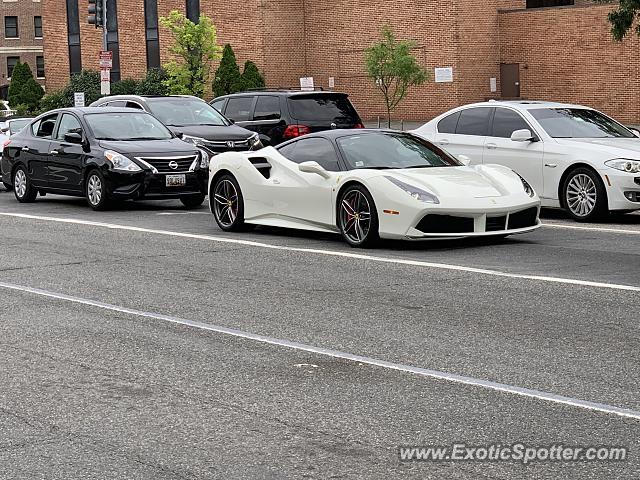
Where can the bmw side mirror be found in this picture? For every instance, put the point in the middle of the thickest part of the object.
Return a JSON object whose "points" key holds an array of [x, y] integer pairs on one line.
{"points": [[73, 137], [313, 167], [464, 160], [523, 135]]}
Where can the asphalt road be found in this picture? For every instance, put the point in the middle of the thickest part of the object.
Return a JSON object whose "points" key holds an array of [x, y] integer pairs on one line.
{"points": [[118, 364]]}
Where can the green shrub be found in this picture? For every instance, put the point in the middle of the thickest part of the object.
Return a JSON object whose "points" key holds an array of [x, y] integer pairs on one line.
{"points": [[227, 79], [24, 90], [251, 76]]}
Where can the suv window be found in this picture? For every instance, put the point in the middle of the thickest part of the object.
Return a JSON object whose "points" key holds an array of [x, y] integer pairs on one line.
{"points": [[134, 105], [68, 123], [449, 123], [313, 150], [239, 108], [323, 107], [267, 108], [474, 121], [219, 104], [44, 127], [506, 121]]}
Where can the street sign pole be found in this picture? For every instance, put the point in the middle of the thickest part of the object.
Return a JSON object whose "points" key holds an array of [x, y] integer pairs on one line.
{"points": [[105, 73]]}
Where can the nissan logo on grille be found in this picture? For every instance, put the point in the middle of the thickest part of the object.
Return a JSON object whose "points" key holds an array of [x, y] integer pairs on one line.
{"points": [[173, 165], [231, 144]]}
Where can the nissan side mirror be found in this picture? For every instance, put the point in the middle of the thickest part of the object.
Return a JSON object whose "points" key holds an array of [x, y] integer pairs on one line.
{"points": [[73, 137]]}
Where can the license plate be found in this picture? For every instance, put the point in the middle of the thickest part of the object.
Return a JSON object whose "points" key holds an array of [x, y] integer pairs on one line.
{"points": [[176, 180]]}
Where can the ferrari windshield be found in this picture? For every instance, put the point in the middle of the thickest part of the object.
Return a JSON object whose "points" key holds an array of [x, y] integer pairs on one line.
{"points": [[578, 123], [385, 150]]}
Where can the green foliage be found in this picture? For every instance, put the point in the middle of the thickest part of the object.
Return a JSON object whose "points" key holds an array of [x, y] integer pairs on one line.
{"points": [[153, 83], [195, 46], [54, 100], [251, 76], [622, 18], [393, 68], [24, 91], [227, 79], [128, 86], [86, 81]]}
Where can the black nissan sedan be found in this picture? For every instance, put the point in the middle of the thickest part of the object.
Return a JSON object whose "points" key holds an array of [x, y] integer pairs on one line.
{"points": [[103, 154]]}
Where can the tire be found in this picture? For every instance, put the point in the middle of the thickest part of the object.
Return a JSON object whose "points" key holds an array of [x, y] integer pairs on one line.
{"points": [[192, 201], [357, 217], [7, 187], [95, 191], [23, 190], [584, 196], [227, 204]]}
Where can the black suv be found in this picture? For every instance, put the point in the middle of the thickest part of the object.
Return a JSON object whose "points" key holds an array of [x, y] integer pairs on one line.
{"points": [[280, 115], [191, 119]]}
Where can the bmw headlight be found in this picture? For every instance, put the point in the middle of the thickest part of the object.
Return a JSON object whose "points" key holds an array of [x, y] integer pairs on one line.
{"points": [[415, 192], [254, 142], [629, 166], [204, 159], [120, 162], [193, 140], [527, 188]]}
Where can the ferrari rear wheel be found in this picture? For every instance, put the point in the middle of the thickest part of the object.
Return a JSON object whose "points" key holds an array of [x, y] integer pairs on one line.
{"points": [[227, 204], [357, 217]]}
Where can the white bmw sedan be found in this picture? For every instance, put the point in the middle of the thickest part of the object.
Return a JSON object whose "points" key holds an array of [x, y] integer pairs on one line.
{"points": [[575, 157]]}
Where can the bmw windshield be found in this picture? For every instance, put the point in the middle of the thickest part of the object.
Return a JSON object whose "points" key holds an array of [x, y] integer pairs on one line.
{"points": [[579, 123], [392, 150], [185, 112], [126, 126]]}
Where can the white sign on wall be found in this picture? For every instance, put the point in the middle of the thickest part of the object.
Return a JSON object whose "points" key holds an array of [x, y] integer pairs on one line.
{"points": [[78, 99], [493, 84], [306, 84], [443, 74], [332, 82]]}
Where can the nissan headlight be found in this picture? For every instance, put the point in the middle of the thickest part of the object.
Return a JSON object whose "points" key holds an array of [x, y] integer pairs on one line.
{"points": [[193, 140], [120, 162], [527, 188], [629, 166], [204, 159], [415, 192], [254, 142]]}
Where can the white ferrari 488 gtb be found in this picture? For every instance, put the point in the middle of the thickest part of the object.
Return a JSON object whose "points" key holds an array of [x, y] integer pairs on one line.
{"points": [[369, 184]]}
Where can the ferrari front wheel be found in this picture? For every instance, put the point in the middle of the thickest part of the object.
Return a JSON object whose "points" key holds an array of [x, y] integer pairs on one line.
{"points": [[227, 204], [357, 217]]}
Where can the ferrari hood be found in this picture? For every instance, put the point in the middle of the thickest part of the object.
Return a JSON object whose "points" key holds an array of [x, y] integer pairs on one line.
{"points": [[472, 182]]}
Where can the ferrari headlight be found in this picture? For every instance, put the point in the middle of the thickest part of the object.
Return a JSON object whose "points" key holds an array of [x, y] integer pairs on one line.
{"points": [[204, 159], [415, 192], [629, 166], [254, 141], [120, 162], [527, 188], [193, 140]]}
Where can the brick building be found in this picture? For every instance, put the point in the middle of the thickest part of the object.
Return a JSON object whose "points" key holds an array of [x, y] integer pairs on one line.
{"points": [[546, 49], [21, 39]]}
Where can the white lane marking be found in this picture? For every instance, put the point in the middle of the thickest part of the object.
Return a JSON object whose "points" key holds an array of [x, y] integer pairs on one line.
{"points": [[333, 253], [592, 229], [424, 372]]}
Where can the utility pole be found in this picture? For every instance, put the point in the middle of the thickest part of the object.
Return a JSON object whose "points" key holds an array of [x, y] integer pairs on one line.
{"points": [[97, 15]]}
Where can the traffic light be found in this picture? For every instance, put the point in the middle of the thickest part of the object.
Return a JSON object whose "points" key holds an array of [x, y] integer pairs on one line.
{"points": [[96, 13]]}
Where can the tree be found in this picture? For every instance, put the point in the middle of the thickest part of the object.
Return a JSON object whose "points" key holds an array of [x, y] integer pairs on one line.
{"points": [[621, 19], [24, 90], [195, 46], [251, 76], [154, 83], [393, 69], [127, 86], [227, 79]]}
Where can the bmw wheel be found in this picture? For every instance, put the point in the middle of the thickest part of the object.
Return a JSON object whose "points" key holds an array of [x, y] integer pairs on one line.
{"points": [[192, 201], [357, 217], [22, 188], [96, 191], [584, 195], [227, 204]]}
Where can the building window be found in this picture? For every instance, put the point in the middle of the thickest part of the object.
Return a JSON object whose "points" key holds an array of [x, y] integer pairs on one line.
{"points": [[37, 27], [10, 27], [151, 27], [40, 67], [11, 64], [73, 37], [548, 3]]}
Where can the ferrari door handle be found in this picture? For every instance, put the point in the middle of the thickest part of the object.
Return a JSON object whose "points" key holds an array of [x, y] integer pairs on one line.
{"points": [[26, 149], [54, 152], [491, 146], [551, 165]]}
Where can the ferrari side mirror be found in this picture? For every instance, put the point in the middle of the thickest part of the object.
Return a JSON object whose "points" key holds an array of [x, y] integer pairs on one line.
{"points": [[313, 167]]}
